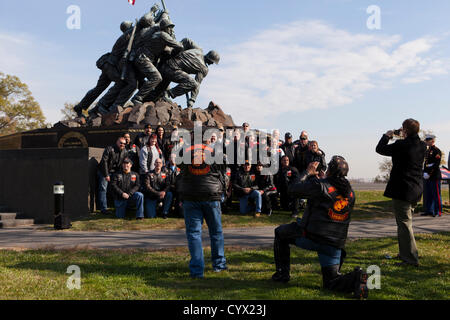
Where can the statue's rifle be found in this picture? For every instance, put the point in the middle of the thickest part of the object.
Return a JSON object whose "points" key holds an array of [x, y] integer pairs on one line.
{"points": [[127, 52]]}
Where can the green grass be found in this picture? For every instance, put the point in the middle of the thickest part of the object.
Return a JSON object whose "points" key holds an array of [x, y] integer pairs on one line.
{"points": [[369, 205], [140, 274]]}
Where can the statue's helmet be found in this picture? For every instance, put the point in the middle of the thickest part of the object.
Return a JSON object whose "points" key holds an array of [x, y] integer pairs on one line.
{"points": [[124, 26], [213, 57], [146, 21], [165, 23]]}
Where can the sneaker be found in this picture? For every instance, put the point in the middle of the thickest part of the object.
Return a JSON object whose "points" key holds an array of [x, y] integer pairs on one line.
{"points": [[105, 211], [140, 218], [165, 216], [220, 269], [269, 213], [280, 276], [361, 289], [257, 214]]}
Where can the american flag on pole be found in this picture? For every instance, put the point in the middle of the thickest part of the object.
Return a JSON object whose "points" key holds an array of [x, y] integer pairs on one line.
{"points": [[131, 2]]}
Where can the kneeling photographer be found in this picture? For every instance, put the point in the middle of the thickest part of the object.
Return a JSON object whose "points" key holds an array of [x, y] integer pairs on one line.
{"points": [[323, 228]]}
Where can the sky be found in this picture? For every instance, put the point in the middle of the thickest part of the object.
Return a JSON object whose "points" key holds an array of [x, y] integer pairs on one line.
{"points": [[293, 65]]}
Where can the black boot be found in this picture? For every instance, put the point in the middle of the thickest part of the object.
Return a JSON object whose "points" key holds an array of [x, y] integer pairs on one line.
{"points": [[354, 282], [282, 255]]}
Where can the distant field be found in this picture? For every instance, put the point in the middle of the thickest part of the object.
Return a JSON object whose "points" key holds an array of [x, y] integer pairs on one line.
{"points": [[369, 205]]}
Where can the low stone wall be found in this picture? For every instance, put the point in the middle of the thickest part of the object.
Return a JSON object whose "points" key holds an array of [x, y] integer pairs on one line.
{"points": [[27, 177]]}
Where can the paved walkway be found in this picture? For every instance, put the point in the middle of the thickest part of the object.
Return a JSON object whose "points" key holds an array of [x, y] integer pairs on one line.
{"points": [[31, 238]]}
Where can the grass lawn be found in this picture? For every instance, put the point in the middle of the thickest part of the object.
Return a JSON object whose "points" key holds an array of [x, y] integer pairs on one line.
{"points": [[140, 274], [369, 205]]}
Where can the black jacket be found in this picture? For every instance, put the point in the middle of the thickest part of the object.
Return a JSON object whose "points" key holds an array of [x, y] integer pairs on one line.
{"points": [[300, 158], [406, 180], [201, 183], [244, 180], [265, 183], [316, 157], [285, 177], [112, 160], [141, 140], [289, 151], [433, 157], [327, 214], [155, 183], [125, 183]]}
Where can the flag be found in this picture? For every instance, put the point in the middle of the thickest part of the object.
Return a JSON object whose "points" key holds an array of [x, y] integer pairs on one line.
{"points": [[131, 2], [445, 173]]}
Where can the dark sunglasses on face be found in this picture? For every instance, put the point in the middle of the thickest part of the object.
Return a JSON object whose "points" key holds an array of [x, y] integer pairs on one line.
{"points": [[303, 138]]}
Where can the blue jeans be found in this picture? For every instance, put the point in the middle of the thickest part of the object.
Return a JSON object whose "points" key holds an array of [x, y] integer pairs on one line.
{"points": [[243, 202], [194, 213], [122, 204], [150, 205], [328, 255], [432, 200], [102, 188]]}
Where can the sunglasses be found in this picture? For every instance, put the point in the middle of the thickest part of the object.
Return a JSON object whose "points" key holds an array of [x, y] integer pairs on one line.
{"points": [[303, 138]]}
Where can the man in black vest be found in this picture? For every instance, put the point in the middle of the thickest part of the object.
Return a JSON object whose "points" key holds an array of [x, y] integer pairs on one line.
{"points": [[323, 228], [405, 184], [111, 163]]}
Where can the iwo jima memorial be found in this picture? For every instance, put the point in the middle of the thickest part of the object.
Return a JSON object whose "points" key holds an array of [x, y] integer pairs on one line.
{"points": [[149, 68]]}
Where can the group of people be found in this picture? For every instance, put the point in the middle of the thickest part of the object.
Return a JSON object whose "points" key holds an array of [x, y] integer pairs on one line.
{"points": [[153, 155], [147, 57], [202, 188]]}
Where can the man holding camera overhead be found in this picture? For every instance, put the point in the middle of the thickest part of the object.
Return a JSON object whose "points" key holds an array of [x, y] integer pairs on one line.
{"points": [[405, 184]]}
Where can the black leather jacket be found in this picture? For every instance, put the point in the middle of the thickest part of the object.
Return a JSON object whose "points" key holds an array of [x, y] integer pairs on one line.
{"points": [[112, 160], [327, 214], [125, 183], [285, 177], [202, 183], [155, 183], [265, 183], [245, 180]]}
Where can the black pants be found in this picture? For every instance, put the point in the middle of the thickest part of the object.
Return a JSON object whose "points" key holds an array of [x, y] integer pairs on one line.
{"points": [[288, 203], [268, 198], [110, 73], [285, 235]]}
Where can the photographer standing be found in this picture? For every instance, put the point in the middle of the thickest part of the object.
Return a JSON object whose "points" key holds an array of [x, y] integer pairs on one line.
{"points": [[405, 184]]}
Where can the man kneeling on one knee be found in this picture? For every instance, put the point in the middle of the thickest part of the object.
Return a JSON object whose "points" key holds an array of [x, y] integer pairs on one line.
{"points": [[246, 188], [323, 228], [156, 188], [125, 185]]}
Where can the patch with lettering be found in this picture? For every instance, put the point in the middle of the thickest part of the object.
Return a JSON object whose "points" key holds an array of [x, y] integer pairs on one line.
{"points": [[340, 209], [133, 178]]}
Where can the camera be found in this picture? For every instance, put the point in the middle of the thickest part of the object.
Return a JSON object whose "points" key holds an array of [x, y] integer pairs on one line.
{"points": [[397, 132]]}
